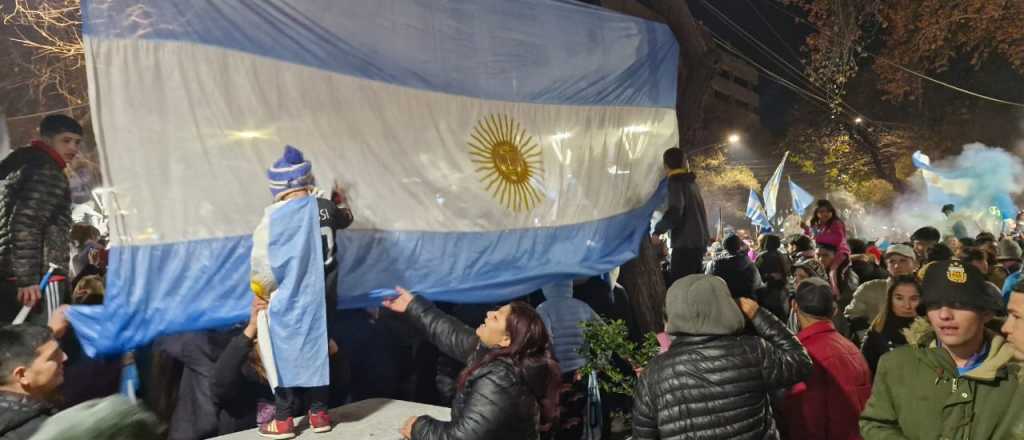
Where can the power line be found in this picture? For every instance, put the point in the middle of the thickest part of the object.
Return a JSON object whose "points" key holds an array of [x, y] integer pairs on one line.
{"points": [[771, 29], [776, 57], [959, 89], [901, 67], [757, 43], [771, 75], [59, 110]]}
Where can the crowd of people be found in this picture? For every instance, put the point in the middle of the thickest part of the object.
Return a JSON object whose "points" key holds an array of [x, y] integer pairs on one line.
{"points": [[815, 335], [913, 339]]}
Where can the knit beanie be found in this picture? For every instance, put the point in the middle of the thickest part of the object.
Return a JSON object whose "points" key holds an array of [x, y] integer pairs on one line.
{"points": [[955, 284], [290, 173], [702, 305]]}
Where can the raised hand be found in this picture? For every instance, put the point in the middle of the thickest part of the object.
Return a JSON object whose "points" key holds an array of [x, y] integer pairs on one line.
{"points": [[400, 303], [749, 307], [254, 312]]}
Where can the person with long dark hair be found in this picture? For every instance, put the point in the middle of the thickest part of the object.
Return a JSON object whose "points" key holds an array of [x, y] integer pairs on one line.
{"points": [[827, 227], [509, 388], [886, 332]]}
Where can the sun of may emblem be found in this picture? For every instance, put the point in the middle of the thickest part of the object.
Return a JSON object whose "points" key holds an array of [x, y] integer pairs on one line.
{"points": [[508, 160]]}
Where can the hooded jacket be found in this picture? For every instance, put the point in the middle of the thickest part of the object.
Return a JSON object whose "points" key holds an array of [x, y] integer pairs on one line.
{"points": [[496, 403], [716, 387], [562, 315], [685, 219], [918, 393], [21, 416]]}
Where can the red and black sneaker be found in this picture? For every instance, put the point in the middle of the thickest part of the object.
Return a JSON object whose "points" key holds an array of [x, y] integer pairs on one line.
{"points": [[278, 429], [320, 421]]}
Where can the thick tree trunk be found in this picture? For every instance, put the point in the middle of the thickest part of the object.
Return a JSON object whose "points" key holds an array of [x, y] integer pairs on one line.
{"points": [[698, 63]]}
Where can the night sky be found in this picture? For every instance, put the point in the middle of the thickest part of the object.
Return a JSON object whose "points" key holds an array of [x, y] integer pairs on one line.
{"points": [[760, 18]]}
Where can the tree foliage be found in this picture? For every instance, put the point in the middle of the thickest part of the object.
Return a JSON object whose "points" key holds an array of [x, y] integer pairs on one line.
{"points": [[859, 55], [923, 35], [724, 181], [605, 344], [51, 31]]}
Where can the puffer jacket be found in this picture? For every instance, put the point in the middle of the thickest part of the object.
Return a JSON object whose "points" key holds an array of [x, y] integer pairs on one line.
{"points": [[33, 185], [496, 402], [562, 315], [919, 394], [716, 387], [21, 416]]}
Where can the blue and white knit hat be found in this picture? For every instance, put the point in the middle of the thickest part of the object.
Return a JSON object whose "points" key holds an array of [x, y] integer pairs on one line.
{"points": [[290, 173]]}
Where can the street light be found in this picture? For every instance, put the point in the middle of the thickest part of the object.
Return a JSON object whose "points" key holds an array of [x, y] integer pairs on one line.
{"points": [[731, 139], [858, 120]]}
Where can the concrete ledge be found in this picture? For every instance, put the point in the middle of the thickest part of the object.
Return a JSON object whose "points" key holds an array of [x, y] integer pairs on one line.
{"points": [[378, 419]]}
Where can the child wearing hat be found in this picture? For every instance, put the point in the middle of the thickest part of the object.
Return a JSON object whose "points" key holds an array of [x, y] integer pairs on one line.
{"points": [[291, 179]]}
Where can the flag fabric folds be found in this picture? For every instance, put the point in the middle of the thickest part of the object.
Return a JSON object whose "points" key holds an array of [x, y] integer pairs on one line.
{"points": [[289, 239], [755, 211], [801, 198], [771, 189], [966, 184], [488, 147]]}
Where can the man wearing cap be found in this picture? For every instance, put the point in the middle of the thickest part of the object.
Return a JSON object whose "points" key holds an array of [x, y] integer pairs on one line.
{"points": [[954, 379], [923, 239], [869, 299], [826, 405]]}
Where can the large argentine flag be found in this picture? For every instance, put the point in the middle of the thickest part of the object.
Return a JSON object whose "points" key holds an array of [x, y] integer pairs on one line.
{"points": [[490, 147]]}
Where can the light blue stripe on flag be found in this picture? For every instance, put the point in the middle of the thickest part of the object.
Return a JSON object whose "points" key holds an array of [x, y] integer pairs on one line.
{"points": [[755, 211], [538, 51], [298, 324], [801, 198]]}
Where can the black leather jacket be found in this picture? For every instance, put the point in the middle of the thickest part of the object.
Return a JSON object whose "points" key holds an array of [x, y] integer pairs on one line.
{"points": [[716, 387], [496, 403], [35, 216]]}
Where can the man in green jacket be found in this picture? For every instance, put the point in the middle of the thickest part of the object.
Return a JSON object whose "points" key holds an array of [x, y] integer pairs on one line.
{"points": [[954, 379]]}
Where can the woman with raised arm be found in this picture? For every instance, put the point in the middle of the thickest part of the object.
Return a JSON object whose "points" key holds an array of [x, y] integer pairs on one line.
{"points": [[509, 388]]}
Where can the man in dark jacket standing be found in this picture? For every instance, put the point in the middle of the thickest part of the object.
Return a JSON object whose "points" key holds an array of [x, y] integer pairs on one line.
{"points": [[35, 220], [826, 405], [685, 219], [714, 380], [31, 369]]}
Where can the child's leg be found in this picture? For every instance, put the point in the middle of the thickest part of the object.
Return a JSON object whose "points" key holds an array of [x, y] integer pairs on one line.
{"points": [[284, 403], [317, 398]]}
